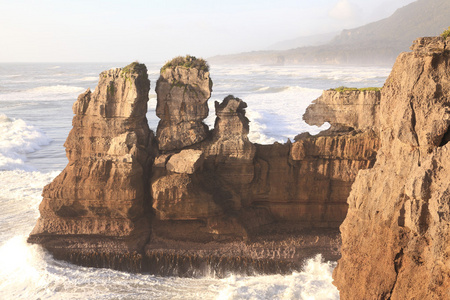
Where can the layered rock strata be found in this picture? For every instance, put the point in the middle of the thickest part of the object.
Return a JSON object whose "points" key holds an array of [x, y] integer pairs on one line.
{"points": [[396, 234], [352, 108], [200, 198], [194, 201], [243, 192], [307, 182], [99, 204], [183, 90]]}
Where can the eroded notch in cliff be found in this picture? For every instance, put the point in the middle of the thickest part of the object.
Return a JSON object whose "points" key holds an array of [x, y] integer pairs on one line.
{"points": [[398, 260], [445, 138]]}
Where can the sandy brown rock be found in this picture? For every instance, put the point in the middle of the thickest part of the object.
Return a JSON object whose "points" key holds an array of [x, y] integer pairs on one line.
{"points": [[182, 94], [230, 152], [357, 109], [200, 188], [396, 234], [102, 192], [186, 162], [308, 182], [207, 193]]}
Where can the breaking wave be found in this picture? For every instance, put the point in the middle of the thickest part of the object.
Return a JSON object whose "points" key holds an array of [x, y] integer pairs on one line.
{"points": [[16, 140]]}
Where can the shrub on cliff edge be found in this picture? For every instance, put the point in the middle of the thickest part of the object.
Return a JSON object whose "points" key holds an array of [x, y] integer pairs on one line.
{"points": [[188, 62], [446, 33]]}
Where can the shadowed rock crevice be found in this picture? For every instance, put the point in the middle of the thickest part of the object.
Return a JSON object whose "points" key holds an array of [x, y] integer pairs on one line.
{"points": [[445, 138]]}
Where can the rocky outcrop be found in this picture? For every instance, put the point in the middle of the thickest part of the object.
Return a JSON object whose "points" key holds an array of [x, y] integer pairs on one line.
{"points": [[195, 199], [356, 109], [100, 202], [183, 90], [198, 192], [396, 234], [308, 182]]}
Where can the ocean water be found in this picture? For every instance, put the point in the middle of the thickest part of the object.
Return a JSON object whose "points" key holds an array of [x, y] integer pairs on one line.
{"points": [[35, 119]]}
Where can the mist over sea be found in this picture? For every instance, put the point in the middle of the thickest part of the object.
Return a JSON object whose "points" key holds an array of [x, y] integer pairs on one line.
{"points": [[35, 119]]}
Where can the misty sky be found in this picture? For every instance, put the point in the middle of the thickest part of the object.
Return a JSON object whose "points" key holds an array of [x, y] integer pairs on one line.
{"points": [[157, 30]]}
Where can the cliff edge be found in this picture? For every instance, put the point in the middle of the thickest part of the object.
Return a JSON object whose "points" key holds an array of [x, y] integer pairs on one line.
{"points": [[396, 234]]}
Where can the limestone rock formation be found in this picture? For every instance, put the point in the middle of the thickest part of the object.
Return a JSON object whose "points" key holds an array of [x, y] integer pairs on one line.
{"points": [[230, 153], [195, 198], [308, 182], [230, 135], [183, 90], [103, 192], [185, 162], [357, 109], [203, 185], [396, 235]]}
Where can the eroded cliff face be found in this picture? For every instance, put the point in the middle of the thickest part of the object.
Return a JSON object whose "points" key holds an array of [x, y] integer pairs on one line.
{"points": [[182, 105], [308, 182], [355, 109], [197, 192], [396, 234], [100, 201], [193, 199]]}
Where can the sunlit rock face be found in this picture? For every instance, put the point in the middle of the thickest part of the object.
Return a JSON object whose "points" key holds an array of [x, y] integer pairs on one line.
{"points": [[183, 90], [194, 198], [308, 181], [357, 109], [396, 233], [103, 192]]}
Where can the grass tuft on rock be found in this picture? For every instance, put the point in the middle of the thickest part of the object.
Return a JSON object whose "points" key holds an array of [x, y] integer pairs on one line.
{"points": [[342, 89], [446, 33], [188, 62], [135, 67]]}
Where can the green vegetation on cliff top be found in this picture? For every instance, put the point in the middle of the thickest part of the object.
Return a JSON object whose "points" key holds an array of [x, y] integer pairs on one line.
{"points": [[446, 33], [136, 67], [188, 62], [347, 89]]}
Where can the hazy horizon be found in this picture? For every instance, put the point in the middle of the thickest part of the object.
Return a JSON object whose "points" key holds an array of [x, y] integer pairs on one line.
{"points": [[156, 31]]}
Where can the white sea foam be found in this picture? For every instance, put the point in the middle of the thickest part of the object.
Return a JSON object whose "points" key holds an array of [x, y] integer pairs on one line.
{"points": [[277, 116], [28, 272], [314, 282], [16, 140], [44, 93]]}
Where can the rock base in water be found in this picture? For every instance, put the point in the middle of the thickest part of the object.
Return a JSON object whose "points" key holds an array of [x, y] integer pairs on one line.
{"points": [[199, 201]]}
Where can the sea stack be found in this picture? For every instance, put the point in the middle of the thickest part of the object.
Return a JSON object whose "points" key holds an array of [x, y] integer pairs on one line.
{"points": [[99, 205], [183, 90], [197, 201], [396, 235]]}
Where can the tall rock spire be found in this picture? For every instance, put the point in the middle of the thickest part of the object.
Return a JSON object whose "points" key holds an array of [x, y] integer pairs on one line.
{"points": [[103, 190], [183, 90]]}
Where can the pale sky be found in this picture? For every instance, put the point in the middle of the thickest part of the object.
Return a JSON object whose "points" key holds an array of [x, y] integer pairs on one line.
{"points": [[157, 30]]}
